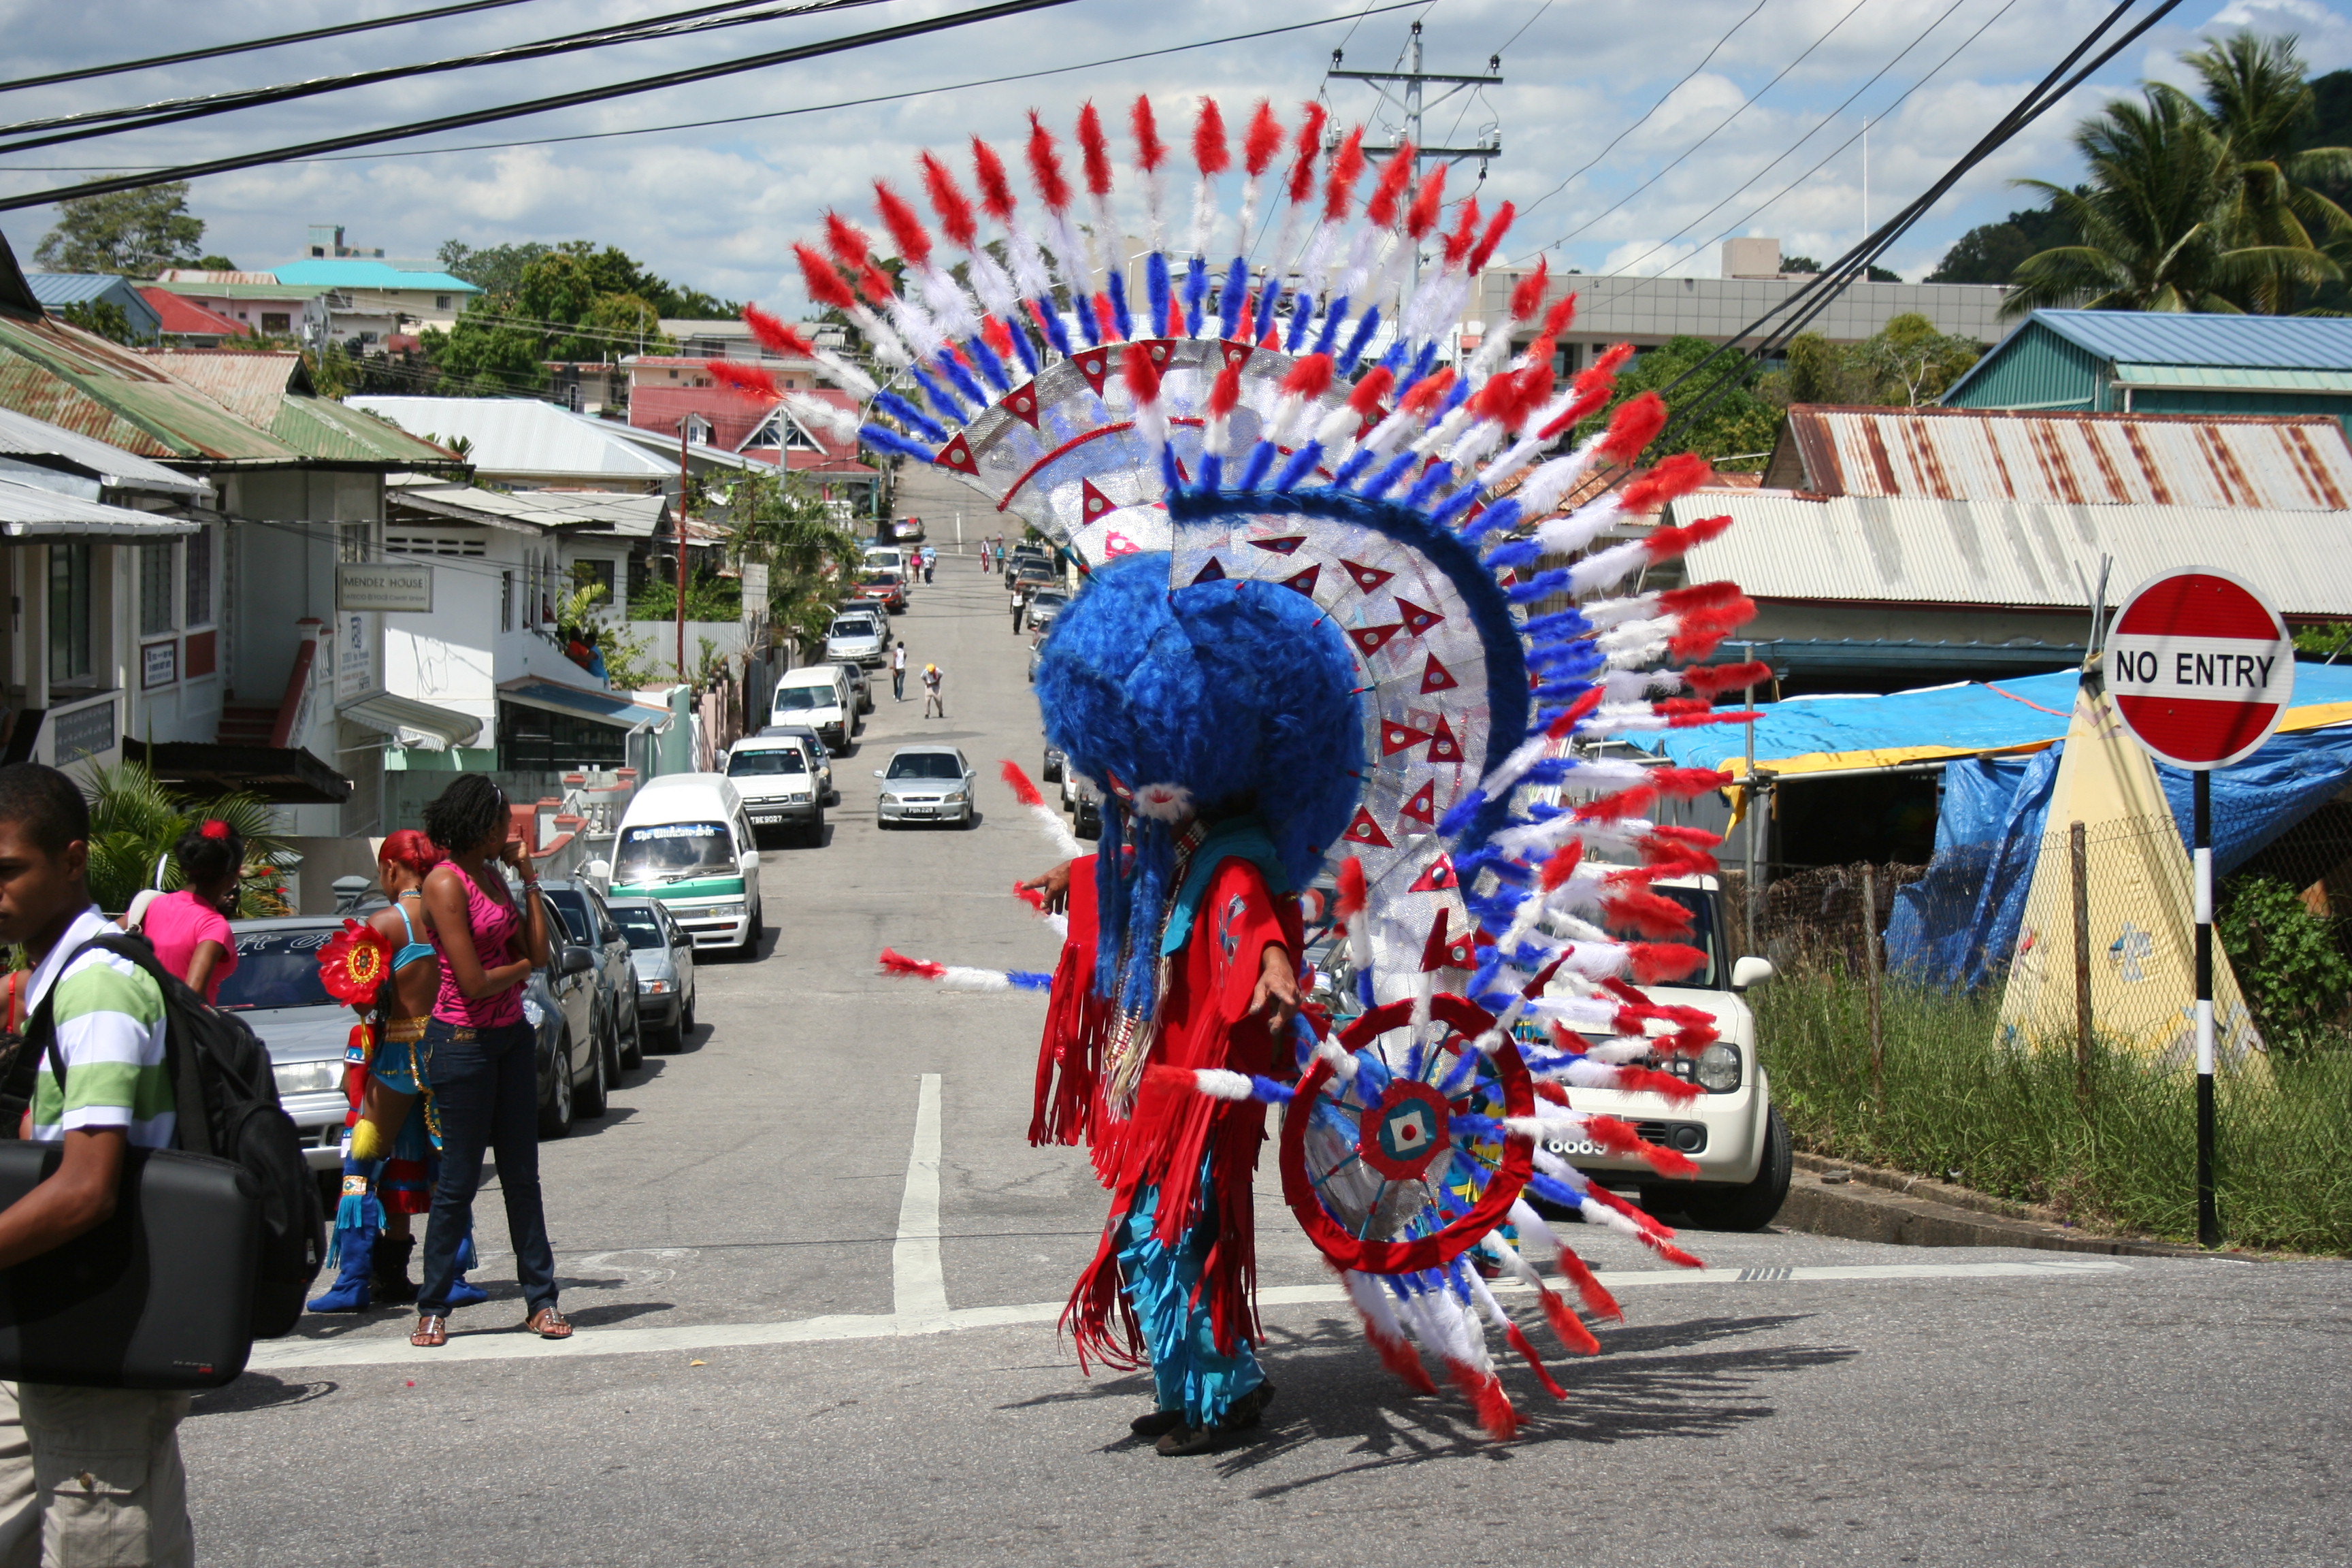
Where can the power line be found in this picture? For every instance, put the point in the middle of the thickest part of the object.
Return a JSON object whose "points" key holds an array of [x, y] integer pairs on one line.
{"points": [[171, 111], [1595, 160], [84, 73], [1526, 24], [787, 113], [918, 28]]}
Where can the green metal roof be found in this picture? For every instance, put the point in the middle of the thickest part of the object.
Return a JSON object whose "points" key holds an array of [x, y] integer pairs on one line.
{"points": [[2233, 378], [70, 377], [249, 291], [334, 432]]}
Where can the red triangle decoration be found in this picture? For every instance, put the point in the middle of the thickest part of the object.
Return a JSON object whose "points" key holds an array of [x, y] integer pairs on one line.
{"points": [[1462, 953], [1021, 404], [1435, 677], [1369, 640], [1438, 877], [957, 455], [1095, 365], [1116, 543], [1236, 354], [1364, 830], [1421, 808], [1158, 348], [1396, 737], [1367, 577], [1280, 546], [1417, 619], [1370, 422], [1442, 747], [1214, 572], [1305, 581], [1093, 503]]}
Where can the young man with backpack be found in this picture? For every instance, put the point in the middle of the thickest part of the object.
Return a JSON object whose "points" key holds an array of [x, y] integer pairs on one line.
{"points": [[96, 1473]]}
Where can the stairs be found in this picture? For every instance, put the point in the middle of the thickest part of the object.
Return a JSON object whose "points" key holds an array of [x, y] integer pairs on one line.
{"points": [[246, 724]]}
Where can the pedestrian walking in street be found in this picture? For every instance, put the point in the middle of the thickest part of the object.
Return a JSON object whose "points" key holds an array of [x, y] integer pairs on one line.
{"points": [[934, 700], [481, 1060], [1020, 607], [87, 1475], [189, 929], [898, 673], [983, 558], [931, 564]]}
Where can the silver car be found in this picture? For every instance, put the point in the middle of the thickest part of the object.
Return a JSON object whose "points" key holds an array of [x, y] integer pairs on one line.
{"points": [[662, 953], [924, 784], [857, 636]]}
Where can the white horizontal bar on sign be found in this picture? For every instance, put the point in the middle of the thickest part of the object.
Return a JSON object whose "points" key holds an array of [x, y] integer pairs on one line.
{"points": [[2213, 669]]}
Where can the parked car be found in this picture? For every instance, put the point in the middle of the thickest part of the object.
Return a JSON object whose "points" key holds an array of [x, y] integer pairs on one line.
{"points": [[1050, 769], [906, 529], [560, 1004], [663, 955], [778, 782], [885, 558], [817, 754], [1022, 555], [822, 698], [1044, 606], [1732, 1132], [590, 925], [887, 589], [857, 636], [1078, 798], [1031, 566], [924, 784], [685, 840]]}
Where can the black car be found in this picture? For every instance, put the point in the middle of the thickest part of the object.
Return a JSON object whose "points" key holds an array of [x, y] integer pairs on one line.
{"points": [[561, 1003], [591, 925]]}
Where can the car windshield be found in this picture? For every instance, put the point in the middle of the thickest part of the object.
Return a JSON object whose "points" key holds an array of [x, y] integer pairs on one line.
{"points": [[859, 628], [673, 852], [573, 908], [643, 928], [278, 969], [1702, 935], [925, 766], [766, 762], [798, 697]]}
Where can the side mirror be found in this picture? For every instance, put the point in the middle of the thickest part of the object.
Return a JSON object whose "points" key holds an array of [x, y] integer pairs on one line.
{"points": [[1751, 971], [598, 871], [578, 961], [718, 760], [877, 773]]}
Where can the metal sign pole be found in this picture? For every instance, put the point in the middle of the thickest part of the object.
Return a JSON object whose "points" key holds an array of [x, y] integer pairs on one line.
{"points": [[2209, 1221]]}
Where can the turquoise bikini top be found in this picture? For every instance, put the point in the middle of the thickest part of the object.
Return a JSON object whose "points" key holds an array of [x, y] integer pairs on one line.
{"points": [[415, 949]]}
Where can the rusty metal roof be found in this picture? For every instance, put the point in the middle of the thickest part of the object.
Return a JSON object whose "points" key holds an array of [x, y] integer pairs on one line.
{"points": [[100, 389], [273, 391], [2024, 555], [2285, 462]]}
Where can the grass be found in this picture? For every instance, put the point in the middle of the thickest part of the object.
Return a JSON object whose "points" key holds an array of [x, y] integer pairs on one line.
{"points": [[2010, 1123]]}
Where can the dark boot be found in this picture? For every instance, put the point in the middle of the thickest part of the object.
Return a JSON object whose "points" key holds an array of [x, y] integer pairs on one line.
{"points": [[393, 1286]]}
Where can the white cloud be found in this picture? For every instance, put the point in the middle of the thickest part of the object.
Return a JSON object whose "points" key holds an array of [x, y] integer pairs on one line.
{"points": [[2324, 32]]}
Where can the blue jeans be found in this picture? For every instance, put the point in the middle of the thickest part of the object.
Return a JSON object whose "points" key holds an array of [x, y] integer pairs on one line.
{"points": [[485, 1085]]}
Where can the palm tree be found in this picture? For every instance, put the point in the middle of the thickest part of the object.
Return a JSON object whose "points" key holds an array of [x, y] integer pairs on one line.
{"points": [[134, 822], [2258, 100], [2157, 225]]}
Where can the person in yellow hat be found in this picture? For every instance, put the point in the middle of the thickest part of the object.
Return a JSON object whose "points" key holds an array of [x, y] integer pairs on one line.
{"points": [[933, 702]]}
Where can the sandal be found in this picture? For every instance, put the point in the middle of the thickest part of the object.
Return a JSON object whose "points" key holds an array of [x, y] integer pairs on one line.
{"points": [[432, 1330], [549, 1324]]}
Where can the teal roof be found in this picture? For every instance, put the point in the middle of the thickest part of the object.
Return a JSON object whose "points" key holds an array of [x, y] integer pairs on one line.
{"points": [[354, 274], [2233, 378], [2146, 338]]}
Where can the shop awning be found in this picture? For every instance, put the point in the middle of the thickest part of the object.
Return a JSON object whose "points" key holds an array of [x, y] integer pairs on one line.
{"points": [[282, 775], [401, 716], [612, 707], [34, 511]]}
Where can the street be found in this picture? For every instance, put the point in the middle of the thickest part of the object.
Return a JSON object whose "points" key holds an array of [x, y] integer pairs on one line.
{"points": [[816, 1267]]}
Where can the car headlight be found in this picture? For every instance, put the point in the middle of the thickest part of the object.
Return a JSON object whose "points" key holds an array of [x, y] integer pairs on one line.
{"points": [[956, 799], [534, 1012], [655, 987], [307, 1078], [1718, 1067]]}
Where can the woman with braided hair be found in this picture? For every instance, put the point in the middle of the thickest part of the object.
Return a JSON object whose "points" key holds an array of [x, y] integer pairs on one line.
{"points": [[189, 929]]}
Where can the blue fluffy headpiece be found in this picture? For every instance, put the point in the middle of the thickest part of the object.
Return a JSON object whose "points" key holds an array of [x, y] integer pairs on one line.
{"points": [[1243, 692]]}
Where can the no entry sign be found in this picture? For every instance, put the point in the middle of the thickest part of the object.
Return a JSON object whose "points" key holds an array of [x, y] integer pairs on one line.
{"points": [[2199, 666]]}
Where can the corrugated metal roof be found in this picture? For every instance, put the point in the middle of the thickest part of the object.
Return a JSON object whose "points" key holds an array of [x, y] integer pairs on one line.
{"points": [[2280, 461], [205, 275], [55, 289], [248, 384], [264, 289], [273, 390], [612, 511], [29, 512], [68, 377], [2173, 337], [1868, 550], [347, 273], [179, 317], [523, 436], [25, 437], [2233, 378]]}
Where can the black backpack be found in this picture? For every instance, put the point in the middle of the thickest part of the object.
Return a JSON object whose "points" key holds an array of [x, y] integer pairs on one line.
{"points": [[227, 1098]]}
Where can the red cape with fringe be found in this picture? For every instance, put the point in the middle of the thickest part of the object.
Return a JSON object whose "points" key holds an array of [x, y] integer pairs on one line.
{"points": [[1203, 1022]]}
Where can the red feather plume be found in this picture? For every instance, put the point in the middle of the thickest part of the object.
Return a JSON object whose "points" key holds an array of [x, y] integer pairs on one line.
{"points": [[1309, 141], [1388, 192], [1527, 294], [1262, 141], [1366, 399], [1026, 792], [949, 202], [1094, 150], [907, 231], [747, 378], [773, 333], [1149, 151], [1353, 890], [1428, 201], [1632, 428], [1226, 391], [824, 284], [1141, 376], [1045, 166], [1310, 377], [1209, 149], [988, 173], [1465, 232], [1495, 228], [1340, 182]]}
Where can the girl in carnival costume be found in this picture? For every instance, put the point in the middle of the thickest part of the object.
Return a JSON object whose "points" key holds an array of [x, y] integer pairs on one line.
{"points": [[1337, 619], [389, 971]]}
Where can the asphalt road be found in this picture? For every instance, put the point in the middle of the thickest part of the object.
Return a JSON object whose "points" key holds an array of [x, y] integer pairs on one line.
{"points": [[816, 1267]]}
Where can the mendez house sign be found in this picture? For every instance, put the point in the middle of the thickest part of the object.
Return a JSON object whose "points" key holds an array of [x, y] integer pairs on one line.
{"points": [[400, 586]]}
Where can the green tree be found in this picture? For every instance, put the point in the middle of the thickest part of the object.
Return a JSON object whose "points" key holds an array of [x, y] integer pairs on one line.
{"points": [[1991, 252], [1738, 423], [214, 261], [1910, 362], [483, 356], [135, 822], [136, 233], [811, 554], [103, 317], [2286, 958]]}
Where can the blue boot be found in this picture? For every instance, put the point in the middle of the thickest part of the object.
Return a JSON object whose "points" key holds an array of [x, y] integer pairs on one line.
{"points": [[463, 1293], [352, 1246]]}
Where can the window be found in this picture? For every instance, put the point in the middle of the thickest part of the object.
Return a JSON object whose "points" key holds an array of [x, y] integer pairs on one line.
{"points": [[276, 322], [506, 600], [593, 574], [440, 302], [351, 542], [200, 577], [433, 545], [155, 588], [69, 613]]}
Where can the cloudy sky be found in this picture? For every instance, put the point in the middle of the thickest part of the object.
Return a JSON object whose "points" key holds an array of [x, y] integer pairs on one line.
{"points": [[1637, 133]]}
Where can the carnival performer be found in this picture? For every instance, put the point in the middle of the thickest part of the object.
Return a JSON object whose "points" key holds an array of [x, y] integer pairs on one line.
{"points": [[483, 1058], [391, 1154]]}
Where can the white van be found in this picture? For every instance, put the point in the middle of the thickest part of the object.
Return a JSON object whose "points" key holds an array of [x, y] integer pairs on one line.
{"points": [[820, 697], [777, 776], [687, 841], [885, 558]]}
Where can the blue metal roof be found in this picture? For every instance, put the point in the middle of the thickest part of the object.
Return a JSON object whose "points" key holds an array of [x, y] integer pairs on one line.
{"points": [[56, 289], [347, 273], [2168, 337]]}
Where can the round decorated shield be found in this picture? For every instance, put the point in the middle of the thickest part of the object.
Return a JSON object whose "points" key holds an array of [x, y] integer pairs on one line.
{"points": [[1383, 1169]]}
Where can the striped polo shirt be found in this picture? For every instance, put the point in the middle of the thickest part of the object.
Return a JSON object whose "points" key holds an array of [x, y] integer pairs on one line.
{"points": [[109, 1036]]}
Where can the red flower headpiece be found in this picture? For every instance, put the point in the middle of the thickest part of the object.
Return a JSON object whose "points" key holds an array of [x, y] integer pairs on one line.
{"points": [[353, 965], [215, 827]]}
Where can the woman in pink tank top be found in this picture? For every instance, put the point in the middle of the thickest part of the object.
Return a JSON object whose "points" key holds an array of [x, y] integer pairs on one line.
{"points": [[482, 1058]]}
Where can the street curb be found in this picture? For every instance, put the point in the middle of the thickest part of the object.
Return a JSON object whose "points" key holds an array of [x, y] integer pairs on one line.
{"points": [[1893, 1209]]}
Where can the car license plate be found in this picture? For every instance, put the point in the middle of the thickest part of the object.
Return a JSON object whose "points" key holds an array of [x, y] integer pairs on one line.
{"points": [[1577, 1149], [918, 810]]}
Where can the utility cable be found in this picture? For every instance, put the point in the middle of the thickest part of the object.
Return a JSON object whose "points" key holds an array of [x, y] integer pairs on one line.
{"points": [[918, 28], [343, 29]]}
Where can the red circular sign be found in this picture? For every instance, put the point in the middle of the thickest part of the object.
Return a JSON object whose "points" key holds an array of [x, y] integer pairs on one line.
{"points": [[2200, 668]]}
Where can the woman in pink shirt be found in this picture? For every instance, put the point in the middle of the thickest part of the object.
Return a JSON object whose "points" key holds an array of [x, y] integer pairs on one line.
{"points": [[189, 929]]}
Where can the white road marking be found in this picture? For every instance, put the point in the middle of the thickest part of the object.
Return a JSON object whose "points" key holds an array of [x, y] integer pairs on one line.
{"points": [[512, 1344], [919, 1285]]}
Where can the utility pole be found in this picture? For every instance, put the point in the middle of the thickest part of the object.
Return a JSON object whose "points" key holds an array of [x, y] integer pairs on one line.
{"points": [[1408, 102], [684, 426]]}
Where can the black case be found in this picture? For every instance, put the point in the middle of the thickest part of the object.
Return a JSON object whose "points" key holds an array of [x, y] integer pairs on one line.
{"points": [[161, 1296]]}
